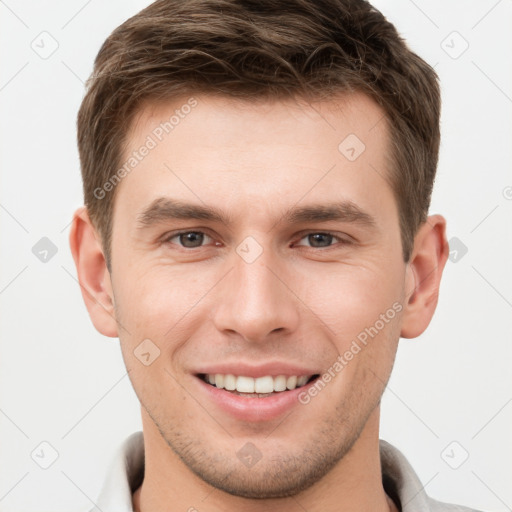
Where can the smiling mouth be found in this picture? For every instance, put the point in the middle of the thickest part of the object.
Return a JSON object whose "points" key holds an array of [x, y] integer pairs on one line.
{"points": [[260, 387]]}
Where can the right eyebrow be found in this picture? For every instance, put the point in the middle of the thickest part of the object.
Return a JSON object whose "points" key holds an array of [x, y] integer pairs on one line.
{"points": [[163, 209]]}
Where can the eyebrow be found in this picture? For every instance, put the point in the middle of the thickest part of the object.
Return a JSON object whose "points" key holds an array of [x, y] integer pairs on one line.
{"points": [[164, 209], [345, 211]]}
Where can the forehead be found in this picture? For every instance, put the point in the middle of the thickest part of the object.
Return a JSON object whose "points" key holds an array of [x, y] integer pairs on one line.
{"points": [[264, 153], [294, 120]]}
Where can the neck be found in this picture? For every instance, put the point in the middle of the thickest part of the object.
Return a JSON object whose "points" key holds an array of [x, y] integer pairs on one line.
{"points": [[355, 483]]}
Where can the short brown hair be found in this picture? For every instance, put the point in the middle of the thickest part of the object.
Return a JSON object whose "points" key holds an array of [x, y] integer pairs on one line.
{"points": [[261, 49]]}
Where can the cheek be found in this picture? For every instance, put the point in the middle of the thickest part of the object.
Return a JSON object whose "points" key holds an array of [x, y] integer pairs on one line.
{"points": [[151, 312], [154, 302], [351, 298], [160, 310]]}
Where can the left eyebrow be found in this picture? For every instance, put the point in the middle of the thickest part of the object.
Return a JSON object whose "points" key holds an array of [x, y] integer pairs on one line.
{"points": [[345, 211]]}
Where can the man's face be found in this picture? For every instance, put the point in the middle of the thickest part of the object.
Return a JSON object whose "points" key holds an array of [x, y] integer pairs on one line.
{"points": [[276, 286]]}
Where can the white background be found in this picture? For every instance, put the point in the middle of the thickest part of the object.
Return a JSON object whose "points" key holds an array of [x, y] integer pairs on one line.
{"points": [[63, 383]]}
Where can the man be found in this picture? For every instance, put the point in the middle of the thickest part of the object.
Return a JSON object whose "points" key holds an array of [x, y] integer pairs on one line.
{"points": [[257, 177]]}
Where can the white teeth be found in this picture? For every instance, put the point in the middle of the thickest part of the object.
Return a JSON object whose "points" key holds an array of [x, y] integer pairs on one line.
{"points": [[301, 381], [244, 384], [219, 380], [261, 385], [280, 383], [291, 382], [264, 385], [230, 382]]}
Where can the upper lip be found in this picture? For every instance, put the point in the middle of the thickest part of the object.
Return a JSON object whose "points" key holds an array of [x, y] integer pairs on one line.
{"points": [[247, 370]]}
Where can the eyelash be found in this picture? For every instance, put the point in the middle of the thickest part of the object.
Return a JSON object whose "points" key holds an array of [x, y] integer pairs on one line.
{"points": [[343, 241]]}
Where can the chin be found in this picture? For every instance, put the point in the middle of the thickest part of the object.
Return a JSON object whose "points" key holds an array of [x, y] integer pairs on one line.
{"points": [[279, 470]]}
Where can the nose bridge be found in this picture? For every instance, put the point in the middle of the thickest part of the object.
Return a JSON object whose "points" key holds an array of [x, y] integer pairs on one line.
{"points": [[253, 301]]}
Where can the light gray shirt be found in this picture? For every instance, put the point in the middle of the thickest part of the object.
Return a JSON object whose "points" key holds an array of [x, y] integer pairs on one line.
{"points": [[400, 482]]}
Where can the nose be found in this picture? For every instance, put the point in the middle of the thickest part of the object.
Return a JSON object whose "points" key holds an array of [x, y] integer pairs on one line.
{"points": [[255, 301]]}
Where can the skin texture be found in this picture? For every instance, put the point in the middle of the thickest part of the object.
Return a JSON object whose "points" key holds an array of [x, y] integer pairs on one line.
{"points": [[297, 303]]}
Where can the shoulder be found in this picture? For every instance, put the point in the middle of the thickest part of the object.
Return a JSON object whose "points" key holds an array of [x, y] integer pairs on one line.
{"points": [[439, 506], [403, 485]]}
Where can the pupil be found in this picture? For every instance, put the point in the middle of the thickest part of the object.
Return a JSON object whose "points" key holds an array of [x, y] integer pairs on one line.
{"points": [[192, 239], [317, 237]]}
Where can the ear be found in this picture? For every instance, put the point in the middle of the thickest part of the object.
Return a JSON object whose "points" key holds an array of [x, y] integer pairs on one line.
{"points": [[93, 275], [423, 276]]}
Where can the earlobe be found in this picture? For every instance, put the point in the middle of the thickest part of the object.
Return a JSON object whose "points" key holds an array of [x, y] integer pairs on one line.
{"points": [[423, 276], [93, 275]]}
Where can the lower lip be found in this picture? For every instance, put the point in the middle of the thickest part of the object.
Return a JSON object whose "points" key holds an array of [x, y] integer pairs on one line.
{"points": [[254, 409]]}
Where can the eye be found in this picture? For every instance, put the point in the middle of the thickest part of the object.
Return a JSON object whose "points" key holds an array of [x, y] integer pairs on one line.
{"points": [[188, 239], [321, 239], [197, 239]]}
